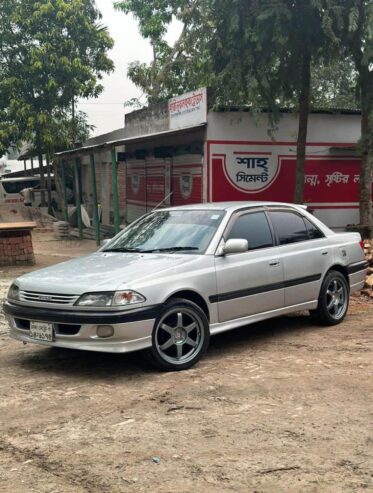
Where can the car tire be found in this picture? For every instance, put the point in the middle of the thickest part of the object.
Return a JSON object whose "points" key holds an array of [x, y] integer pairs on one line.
{"points": [[180, 336], [333, 299]]}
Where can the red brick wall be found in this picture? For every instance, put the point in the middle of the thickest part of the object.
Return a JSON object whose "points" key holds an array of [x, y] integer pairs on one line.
{"points": [[16, 248]]}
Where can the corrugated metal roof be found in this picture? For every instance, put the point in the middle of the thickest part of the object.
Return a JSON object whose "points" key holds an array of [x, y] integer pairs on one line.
{"points": [[129, 140], [324, 110]]}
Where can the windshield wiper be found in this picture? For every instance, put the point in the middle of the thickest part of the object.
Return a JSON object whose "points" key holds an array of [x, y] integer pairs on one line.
{"points": [[170, 249], [136, 250]]}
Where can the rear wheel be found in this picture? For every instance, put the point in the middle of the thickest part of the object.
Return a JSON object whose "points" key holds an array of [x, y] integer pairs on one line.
{"points": [[333, 299], [180, 336]]}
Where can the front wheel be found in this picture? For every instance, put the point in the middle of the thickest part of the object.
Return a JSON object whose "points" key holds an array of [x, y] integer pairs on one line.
{"points": [[180, 337], [333, 299]]}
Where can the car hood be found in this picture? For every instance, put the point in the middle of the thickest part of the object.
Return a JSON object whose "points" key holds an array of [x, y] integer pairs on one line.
{"points": [[102, 271]]}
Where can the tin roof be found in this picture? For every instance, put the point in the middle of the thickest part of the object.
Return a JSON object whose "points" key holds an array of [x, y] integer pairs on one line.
{"points": [[129, 140], [321, 110]]}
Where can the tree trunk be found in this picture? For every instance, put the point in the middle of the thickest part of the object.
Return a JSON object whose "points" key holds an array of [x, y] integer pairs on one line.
{"points": [[42, 179], [304, 109], [366, 87]]}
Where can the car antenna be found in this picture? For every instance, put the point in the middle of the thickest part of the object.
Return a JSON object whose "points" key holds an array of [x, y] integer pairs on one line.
{"points": [[160, 203]]}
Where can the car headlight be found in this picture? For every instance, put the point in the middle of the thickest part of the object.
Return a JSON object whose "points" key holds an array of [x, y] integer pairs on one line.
{"points": [[118, 298], [95, 299], [13, 293]]}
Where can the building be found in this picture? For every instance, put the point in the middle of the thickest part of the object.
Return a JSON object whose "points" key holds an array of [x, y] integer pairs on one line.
{"points": [[181, 152]]}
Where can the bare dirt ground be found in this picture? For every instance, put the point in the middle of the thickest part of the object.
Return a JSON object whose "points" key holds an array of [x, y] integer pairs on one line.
{"points": [[279, 406]]}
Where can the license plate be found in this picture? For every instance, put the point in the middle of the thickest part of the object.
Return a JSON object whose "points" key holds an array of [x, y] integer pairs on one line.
{"points": [[42, 331]]}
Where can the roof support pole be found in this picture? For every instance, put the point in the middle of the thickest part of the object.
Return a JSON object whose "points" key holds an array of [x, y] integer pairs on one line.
{"points": [[49, 184], [24, 166], [77, 197], [114, 180], [64, 191], [94, 196], [32, 166]]}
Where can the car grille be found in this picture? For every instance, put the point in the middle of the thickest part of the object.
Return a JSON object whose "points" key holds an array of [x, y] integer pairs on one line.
{"points": [[57, 299]]}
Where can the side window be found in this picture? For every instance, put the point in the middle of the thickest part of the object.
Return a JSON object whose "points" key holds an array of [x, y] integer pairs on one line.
{"points": [[254, 228], [289, 227], [313, 231]]}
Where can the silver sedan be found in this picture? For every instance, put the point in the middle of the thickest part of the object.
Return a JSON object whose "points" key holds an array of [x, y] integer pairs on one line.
{"points": [[176, 276]]}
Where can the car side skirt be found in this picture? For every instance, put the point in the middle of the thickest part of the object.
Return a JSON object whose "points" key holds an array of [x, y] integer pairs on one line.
{"points": [[251, 319]]}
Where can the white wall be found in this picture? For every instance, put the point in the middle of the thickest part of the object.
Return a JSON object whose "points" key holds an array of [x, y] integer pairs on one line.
{"points": [[321, 128]]}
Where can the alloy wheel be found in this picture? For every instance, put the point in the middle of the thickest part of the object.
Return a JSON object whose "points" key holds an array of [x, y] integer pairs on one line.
{"points": [[336, 298], [179, 335]]}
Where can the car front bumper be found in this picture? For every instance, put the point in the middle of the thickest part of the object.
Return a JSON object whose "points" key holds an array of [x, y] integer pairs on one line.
{"points": [[78, 329]]}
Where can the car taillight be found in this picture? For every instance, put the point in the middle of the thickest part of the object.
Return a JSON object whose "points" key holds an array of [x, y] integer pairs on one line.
{"points": [[361, 242]]}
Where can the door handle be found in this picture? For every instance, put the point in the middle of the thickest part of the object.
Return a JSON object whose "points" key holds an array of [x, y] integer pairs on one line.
{"points": [[324, 253], [274, 263]]}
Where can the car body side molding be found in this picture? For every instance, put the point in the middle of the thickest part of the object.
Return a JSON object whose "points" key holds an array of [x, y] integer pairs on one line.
{"points": [[263, 289]]}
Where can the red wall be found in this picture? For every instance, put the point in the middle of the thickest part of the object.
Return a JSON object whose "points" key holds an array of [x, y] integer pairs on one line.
{"points": [[233, 175]]}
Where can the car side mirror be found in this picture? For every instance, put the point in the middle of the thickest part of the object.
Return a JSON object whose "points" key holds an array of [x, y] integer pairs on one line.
{"points": [[105, 242], [235, 245]]}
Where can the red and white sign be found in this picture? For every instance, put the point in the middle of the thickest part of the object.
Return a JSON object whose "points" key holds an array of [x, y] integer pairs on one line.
{"points": [[239, 172], [248, 171], [188, 110]]}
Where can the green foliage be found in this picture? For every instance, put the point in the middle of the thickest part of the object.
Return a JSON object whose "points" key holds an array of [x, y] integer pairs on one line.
{"points": [[175, 69], [247, 52], [335, 85], [50, 52]]}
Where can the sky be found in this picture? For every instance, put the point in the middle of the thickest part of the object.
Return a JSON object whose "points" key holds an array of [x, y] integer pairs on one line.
{"points": [[107, 111]]}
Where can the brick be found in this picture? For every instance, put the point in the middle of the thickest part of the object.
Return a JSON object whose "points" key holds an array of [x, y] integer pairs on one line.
{"points": [[16, 249]]}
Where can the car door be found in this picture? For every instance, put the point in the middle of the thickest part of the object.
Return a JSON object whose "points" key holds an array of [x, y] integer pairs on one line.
{"points": [[304, 253], [249, 282]]}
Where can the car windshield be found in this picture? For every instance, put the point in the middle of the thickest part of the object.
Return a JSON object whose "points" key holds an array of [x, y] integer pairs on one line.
{"points": [[186, 231]]}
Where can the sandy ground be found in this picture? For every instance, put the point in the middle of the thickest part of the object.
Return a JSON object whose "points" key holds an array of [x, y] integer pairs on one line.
{"points": [[279, 406]]}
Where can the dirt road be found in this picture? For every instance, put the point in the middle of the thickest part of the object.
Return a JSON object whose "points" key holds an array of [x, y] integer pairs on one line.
{"points": [[279, 406]]}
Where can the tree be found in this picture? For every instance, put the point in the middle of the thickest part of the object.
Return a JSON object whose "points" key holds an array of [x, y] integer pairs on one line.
{"points": [[174, 69], [334, 85], [352, 26], [273, 49], [51, 52]]}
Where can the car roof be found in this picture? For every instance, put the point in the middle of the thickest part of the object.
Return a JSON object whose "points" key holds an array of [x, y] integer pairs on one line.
{"points": [[22, 178], [233, 206]]}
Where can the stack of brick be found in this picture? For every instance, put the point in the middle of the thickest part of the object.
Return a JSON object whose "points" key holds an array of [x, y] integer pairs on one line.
{"points": [[16, 248], [368, 250]]}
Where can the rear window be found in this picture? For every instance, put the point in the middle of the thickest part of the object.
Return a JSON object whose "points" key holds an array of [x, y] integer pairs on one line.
{"points": [[254, 228], [289, 227], [18, 186]]}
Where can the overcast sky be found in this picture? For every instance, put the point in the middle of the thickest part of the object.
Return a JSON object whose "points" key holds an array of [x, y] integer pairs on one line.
{"points": [[107, 111]]}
